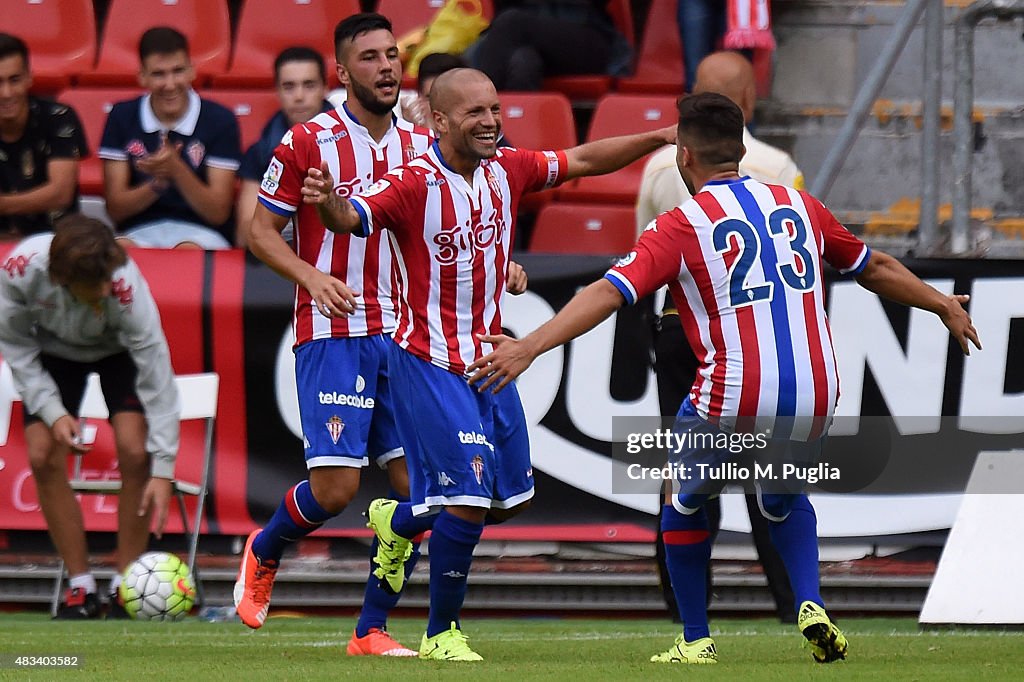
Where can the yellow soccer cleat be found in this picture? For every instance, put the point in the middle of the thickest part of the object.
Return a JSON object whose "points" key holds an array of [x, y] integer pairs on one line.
{"points": [[828, 643], [701, 652], [450, 645], [392, 549]]}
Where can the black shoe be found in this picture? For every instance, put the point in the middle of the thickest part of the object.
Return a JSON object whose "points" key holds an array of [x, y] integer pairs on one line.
{"points": [[116, 610], [78, 605]]}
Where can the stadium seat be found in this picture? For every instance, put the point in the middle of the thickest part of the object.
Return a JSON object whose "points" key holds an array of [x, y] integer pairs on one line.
{"points": [[199, 395], [594, 86], [537, 120], [253, 108], [61, 38], [620, 115], [204, 22], [92, 107], [265, 27], [659, 64], [584, 229]]}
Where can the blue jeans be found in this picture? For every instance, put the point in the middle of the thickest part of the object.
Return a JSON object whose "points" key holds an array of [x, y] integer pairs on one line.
{"points": [[701, 24]]}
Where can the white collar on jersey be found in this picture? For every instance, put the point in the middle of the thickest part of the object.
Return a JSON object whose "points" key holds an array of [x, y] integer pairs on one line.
{"points": [[354, 124], [186, 125]]}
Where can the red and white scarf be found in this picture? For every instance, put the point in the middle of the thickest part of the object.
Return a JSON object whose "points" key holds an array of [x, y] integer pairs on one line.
{"points": [[748, 25]]}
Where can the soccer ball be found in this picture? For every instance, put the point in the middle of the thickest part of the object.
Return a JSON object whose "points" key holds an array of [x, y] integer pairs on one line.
{"points": [[157, 586]]}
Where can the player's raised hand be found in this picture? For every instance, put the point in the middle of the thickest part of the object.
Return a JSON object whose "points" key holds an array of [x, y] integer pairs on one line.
{"points": [[504, 364], [959, 324], [516, 281], [332, 297], [318, 187], [669, 134]]}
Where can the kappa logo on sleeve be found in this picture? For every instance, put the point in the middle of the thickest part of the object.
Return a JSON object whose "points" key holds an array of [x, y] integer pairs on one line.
{"points": [[122, 291]]}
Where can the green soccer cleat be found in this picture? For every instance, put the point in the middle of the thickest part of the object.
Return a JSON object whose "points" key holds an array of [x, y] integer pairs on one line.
{"points": [[828, 643], [392, 549], [450, 645], [701, 652]]}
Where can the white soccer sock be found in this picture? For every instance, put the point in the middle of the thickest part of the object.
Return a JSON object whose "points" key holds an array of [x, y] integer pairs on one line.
{"points": [[83, 580], [115, 582]]}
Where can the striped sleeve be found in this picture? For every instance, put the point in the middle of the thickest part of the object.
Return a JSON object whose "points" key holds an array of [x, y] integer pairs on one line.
{"points": [[655, 260]]}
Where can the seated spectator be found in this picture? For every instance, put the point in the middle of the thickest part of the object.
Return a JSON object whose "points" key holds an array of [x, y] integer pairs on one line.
{"points": [[416, 109], [169, 156], [72, 303], [300, 80], [40, 145], [531, 39]]}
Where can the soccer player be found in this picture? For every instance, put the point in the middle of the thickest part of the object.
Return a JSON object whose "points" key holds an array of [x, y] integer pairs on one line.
{"points": [[345, 401], [743, 263], [71, 303], [450, 214]]}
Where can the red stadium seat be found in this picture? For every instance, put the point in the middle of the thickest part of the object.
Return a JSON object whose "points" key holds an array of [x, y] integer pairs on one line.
{"points": [[620, 115], [659, 65], [92, 107], [537, 120], [584, 229], [204, 22], [253, 108], [265, 27], [594, 86], [61, 38]]}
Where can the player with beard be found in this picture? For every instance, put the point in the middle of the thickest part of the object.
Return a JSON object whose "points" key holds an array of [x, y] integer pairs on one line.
{"points": [[344, 313]]}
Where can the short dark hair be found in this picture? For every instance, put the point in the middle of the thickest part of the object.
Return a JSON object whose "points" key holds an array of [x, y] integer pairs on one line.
{"points": [[356, 24], [434, 64], [11, 46], [711, 126], [84, 251], [161, 40], [300, 53]]}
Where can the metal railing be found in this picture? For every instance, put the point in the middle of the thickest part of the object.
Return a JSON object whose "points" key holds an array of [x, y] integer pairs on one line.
{"points": [[931, 102], [963, 110]]}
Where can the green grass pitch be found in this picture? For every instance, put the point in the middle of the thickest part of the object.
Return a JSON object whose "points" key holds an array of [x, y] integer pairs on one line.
{"points": [[571, 650]]}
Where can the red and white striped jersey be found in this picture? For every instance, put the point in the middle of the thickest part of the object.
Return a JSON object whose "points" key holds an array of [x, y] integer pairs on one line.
{"points": [[452, 242], [743, 261], [356, 161]]}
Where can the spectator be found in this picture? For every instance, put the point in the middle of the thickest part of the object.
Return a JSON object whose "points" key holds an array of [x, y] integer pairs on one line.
{"points": [[531, 39], [170, 157], [662, 189], [416, 109], [735, 24], [300, 80], [40, 145], [72, 303]]}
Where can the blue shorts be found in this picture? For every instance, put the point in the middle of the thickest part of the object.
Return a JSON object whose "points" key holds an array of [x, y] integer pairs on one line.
{"points": [[345, 402], [775, 497], [463, 447]]}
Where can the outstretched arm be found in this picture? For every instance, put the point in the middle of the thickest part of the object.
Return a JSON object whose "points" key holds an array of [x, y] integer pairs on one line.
{"points": [[336, 214], [887, 277], [512, 357], [611, 154]]}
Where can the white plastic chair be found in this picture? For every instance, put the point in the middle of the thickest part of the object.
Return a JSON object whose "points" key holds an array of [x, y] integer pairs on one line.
{"points": [[198, 394]]}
